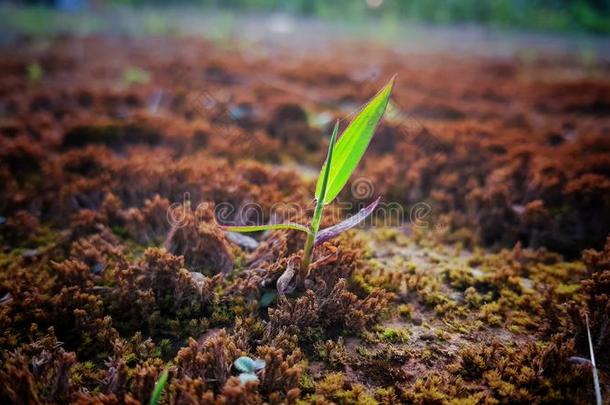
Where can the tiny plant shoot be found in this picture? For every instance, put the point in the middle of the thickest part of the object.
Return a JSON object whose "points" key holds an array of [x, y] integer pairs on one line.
{"points": [[596, 387], [159, 387], [342, 159]]}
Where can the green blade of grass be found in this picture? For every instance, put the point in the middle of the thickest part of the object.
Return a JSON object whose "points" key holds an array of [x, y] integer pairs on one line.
{"points": [[325, 172], [256, 228], [353, 143], [159, 386], [596, 387], [317, 213]]}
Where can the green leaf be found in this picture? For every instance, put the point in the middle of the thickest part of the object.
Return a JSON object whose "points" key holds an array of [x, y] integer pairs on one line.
{"points": [[244, 364], [255, 228], [325, 173], [353, 143], [598, 392], [349, 223], [159, 386]]}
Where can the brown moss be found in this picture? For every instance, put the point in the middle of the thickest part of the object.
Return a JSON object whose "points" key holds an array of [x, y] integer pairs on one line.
{"points": [[38, 372], [89, 173], [327, 308], [210, 360], [159, 288], [199, 240], [20, 228], [596, 305], [149, 223], [513, 373]]}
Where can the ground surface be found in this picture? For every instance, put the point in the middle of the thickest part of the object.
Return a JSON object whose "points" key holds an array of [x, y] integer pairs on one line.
{"points": [[470, 286]]}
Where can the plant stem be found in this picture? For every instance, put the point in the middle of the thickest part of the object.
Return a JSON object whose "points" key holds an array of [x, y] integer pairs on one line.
{"points": [[317, 214], [311, 238], [598, 392]]}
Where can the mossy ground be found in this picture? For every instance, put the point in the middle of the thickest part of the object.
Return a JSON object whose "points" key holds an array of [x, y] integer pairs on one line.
{"points": [[113, 268]]}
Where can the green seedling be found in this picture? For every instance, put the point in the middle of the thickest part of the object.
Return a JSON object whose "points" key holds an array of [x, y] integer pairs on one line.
{"points": [[34, 73], [135, 75], [596, 387], [159, 387], [342, 158], [249, 368], [590, 362]]}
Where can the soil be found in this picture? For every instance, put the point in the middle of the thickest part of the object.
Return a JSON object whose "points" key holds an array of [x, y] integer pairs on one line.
{"points": [[474, 282]]}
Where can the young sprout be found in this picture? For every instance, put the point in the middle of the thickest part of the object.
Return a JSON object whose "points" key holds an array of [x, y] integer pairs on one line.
{"points": [[596, 387], [342, 158], [135, 75], [159, 387], [248, 368], [34, 72], [590, 362]]}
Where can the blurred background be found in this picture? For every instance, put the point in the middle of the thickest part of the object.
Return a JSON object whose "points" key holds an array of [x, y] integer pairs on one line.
{"points": [[513, 95], [580, 25]]}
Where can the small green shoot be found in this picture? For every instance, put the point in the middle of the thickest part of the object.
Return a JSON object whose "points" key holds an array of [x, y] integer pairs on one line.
{"points": [[598, 391], [135, 75], [353, 143], [320, 202], [34, 73], [342, 159], [159, 387]]}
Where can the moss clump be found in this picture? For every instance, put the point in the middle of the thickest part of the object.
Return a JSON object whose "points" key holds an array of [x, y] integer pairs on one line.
{"points": [[405, 311], [393, 335]]}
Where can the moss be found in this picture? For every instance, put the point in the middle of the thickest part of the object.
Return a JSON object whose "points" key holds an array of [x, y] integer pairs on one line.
{"points": [[459, 277], [442, 335], [472, 298], [567, 291], [426, 391], [334, 387], [446, 309], [360, 287], [333, 353], [388, 235], [120, 231], [386, 395], [331, 384], [393, 335], [491, 314], [92, 309], [405, 311], [306, 383]]}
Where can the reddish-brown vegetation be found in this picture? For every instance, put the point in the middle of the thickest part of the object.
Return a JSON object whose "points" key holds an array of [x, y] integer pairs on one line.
{"points": [[113, 268]]}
